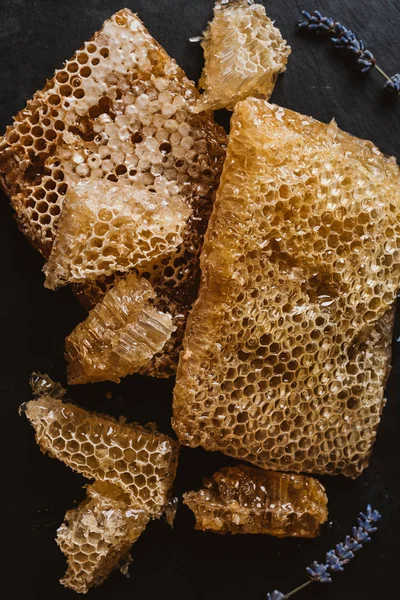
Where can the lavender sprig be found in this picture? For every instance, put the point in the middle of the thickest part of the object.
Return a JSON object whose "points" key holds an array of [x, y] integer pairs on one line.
{"points": [[346, 40], [343, 553]]}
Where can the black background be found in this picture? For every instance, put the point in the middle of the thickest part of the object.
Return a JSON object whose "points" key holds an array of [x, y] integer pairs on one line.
{"points": [[36, 36]]}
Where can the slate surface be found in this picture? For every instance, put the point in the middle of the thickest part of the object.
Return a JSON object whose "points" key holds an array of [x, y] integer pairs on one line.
{"points": [[35, 38]]}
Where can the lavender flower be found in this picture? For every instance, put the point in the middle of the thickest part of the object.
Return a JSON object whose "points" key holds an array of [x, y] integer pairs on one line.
{"points": [[393, 84], [319, 572], [346, 40], [336, 559], [275, 596]]}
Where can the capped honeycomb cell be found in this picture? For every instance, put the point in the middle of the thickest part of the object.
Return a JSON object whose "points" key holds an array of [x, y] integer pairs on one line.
{"points": [[120, 336], [140, 461], [120, 112], [244, 54], [109, 227], [97, 536], [287, 349], [246, 499]]}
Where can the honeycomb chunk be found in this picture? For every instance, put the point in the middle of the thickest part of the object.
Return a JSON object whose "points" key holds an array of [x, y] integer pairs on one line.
{"points": [[246, 499], [120, 110], [109, 227], [287, 350], [121, 334], [140, 461], [97, 536], [244, 54]]}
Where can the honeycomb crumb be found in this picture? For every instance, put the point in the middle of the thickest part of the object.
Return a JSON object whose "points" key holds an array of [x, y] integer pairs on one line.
{"points": [[140, 461], [246, 499], [120, 110], [97, 536], [287, 350], [41, 384], [120, 336], [108, 227], [244, 54]]}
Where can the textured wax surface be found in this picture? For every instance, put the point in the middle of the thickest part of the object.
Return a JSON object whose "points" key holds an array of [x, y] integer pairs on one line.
{"points": [[97, 535], [142, 462], [107, 227], [120, 111], [120, 336], [287, 350], [35, 38], [246, 499], [244, 54]]}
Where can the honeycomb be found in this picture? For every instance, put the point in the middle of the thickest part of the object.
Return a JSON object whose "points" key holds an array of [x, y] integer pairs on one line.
{"points": [[244, 499], [96, 537], [121, 334], [244, 54], [287, 350], [138, 460], [109, 227], [119, 110]]}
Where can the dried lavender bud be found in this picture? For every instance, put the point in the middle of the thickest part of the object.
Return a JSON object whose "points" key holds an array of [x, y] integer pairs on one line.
{"points": [[393, 84]]}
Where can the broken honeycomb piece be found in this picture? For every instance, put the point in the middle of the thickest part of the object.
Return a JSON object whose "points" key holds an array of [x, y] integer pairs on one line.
{"points": [[97, 536], [122, 111], [119, 110], [140, 461], [246, 499], [120, 335], [244, 54], [287, 349], [109, 227]]}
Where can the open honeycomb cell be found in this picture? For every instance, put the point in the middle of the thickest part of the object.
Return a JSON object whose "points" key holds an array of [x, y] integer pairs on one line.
{"points": [[140, 461], [244, 54], [120, 336], [97, 536], [108, 227], [287, 349], [119, 112], [246, 499]]}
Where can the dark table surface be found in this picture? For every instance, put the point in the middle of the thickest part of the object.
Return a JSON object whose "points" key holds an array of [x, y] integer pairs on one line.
{"points": [[36, 36]]}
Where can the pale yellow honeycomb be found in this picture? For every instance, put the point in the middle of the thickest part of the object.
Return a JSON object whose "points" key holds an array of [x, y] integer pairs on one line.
{"points": [[108, 227], [287, 349], [120, 336], [138, 460], [244, 54], [119, 110], [244, 499], [97, 536]]}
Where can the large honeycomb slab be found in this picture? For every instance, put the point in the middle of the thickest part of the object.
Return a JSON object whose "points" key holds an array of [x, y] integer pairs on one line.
{"points": [[120, 336], [244, 54], [97, 536], [287, 349], [108, 227], [140, 461], [246, 499], [120, 110]]}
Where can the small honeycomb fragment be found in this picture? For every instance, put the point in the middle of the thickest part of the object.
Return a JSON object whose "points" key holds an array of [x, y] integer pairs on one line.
{"points": [[287, 349], [244, 54], [97, 536], [120, 110], [140, 461], [246, 499], [120, 336], [109, 227]]}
